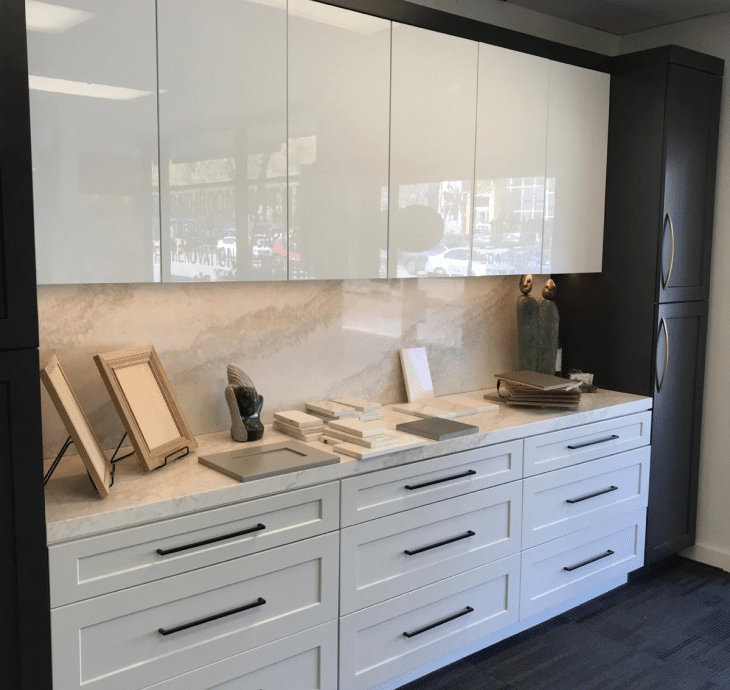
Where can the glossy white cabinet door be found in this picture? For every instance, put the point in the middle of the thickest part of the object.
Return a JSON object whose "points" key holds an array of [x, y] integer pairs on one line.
{"points": [[93, 111], [339, 109], [512, 120], [433, 122], [575, 170], [222, 72]]}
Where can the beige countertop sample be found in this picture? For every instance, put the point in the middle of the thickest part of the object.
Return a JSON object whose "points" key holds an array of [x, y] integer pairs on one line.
{"points": [[74, 509]]}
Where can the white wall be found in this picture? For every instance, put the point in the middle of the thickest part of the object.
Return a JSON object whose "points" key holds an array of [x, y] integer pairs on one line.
{"points": [[511, 16], [710, 35]]}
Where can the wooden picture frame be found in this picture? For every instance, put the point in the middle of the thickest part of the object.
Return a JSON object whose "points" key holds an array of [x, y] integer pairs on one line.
{"points": [[146, 404], [77, 425]]}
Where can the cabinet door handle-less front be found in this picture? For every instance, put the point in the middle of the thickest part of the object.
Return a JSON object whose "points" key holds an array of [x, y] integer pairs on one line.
{"points": [[468, 473], [213, 540], [185, 626], [569, 568], [612, 437], [468, 609], [592, 495], [440, 543]]}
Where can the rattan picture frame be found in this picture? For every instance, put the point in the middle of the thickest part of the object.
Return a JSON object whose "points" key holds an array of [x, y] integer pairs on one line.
{"points": [[77, 425], [147, 405]]}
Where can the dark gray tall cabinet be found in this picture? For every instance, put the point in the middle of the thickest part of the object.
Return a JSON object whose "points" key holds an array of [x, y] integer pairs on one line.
{"points": [[25, 655], [641, 324]]}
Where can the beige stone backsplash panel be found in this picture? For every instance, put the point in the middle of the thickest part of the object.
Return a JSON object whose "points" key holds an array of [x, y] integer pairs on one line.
{"points": [[298, 341]]}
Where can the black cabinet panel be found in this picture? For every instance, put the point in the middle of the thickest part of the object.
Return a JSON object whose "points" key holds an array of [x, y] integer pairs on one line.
{"points": [[24, 581], [662, 154], [18, 310], [691, 126], [680, 356]]}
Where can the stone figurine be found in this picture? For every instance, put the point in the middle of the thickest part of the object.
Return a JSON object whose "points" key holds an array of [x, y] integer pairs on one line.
{"points": [[244, 404], [527, 325], [548, 321]]}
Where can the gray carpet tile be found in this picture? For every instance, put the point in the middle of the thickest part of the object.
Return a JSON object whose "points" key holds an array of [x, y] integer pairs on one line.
{"points": [[666, 632]]}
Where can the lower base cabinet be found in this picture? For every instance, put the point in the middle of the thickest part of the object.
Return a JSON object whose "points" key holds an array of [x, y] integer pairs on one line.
{"points": [[385, 640], [305, 661], [400, 569]]}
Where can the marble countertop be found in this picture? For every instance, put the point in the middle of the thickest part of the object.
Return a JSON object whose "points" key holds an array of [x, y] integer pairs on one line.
{"points": [[74, 509]]}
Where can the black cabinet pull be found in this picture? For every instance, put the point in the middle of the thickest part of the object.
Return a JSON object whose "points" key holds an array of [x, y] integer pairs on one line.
{"points": [[613, 437], [185, 626], [213, 540], [468, 473], [588, 561], [593, 495], [468, 609], [441, 543]]}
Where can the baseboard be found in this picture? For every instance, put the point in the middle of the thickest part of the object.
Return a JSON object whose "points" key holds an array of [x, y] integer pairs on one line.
{"points": [[717, 558]]}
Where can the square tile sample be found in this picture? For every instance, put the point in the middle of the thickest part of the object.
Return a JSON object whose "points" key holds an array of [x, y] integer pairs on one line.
{"points": [[359, 404], [437, 428], [357, 427], [297, 418]]}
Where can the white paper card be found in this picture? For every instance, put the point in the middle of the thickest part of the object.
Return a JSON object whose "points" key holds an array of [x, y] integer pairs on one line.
{"points": [[416, 374]]}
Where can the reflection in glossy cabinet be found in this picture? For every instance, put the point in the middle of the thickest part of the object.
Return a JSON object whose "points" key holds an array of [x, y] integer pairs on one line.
{"points": [[434, 89], [575, 170], [94, 140], [339, 110], [222, 75], [512, 118]]}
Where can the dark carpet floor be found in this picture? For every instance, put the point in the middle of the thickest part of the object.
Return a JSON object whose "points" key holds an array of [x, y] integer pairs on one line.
{"points": [[666, 632]]}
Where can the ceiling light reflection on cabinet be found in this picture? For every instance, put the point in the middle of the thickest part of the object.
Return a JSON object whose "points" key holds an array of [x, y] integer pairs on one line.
{"points": [[334, 16], [81, 88], [52, 19]]}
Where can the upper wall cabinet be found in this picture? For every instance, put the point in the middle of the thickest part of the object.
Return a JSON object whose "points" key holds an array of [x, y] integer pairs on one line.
{"points": [[93, 101], [339, 109], [222, 76], [512, 121], [575, 170], [433, 123]]}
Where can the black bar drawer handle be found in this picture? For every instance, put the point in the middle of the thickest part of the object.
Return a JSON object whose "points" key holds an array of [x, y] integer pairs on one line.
{"points": [[612, 437], [440, 543], [468, 609], [185, 626], [176, 549], [593, 495], [468, 473], [588, 561]]}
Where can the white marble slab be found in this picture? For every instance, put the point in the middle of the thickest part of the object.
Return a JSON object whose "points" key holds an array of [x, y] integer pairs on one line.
{"points": [[73, 509]]}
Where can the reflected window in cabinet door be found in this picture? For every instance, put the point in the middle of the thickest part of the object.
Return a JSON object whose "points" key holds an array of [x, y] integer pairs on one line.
{"points": [[222, 74], [433, 124]]}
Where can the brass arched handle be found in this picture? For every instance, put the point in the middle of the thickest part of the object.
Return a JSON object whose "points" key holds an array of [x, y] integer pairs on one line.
{"points": [[668, 221], [660, 382]]}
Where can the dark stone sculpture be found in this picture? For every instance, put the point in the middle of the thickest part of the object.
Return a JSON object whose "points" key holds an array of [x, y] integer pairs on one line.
{"points": [[527, 325], [548, 321], [244, 404]]}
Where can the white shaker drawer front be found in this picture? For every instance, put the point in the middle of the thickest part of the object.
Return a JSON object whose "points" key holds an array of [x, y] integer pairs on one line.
{"points": [[390, 491], [140, 636], [560, 502], [398, 553], [396, 636], [563, 568], [99, 565], [305, 661], [560, 449]]}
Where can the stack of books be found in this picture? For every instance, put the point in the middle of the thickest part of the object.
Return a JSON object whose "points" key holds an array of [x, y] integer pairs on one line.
{"points": [[530, 389], [299, 425]]}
